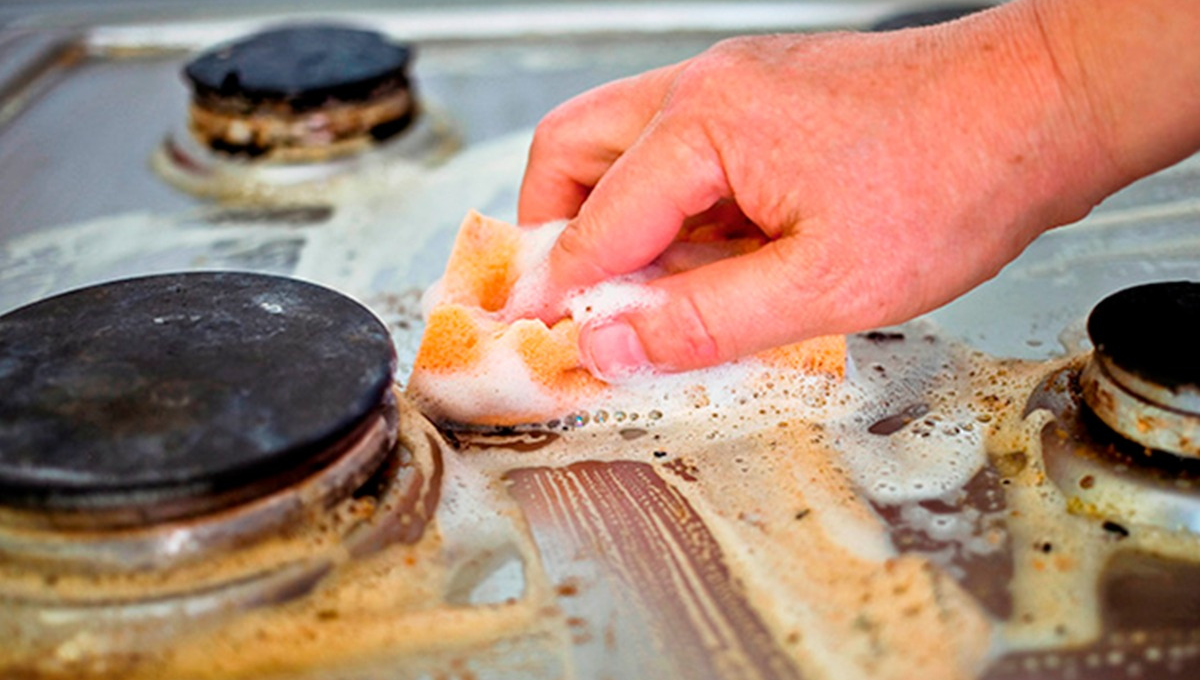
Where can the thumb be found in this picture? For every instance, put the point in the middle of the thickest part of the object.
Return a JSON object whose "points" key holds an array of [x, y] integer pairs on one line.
{"points": [[773, 296]]}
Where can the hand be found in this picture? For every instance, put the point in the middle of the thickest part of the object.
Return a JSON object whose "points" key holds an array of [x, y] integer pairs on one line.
{"points": [[887, 174]]}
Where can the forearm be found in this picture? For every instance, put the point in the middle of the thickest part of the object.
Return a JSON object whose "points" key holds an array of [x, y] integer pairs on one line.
{"points": [[1135, 64]]}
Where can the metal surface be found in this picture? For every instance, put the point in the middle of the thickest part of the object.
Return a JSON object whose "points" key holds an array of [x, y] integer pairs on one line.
{"points": [[499, 69], [620, 547]]}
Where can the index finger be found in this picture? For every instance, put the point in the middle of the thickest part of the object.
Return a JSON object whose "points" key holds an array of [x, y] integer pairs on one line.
{"points": [[577, 142], [637, 208]]}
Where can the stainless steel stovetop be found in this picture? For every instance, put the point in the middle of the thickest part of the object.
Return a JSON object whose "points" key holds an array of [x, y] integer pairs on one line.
{"points": [[613, 549]]}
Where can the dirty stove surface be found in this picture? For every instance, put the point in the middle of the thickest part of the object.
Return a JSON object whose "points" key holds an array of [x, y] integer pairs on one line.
{"points": [[960, 507]]}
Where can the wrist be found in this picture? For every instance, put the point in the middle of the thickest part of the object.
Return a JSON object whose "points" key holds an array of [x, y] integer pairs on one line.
{"points": [[1044, 155], [1134, 68]]}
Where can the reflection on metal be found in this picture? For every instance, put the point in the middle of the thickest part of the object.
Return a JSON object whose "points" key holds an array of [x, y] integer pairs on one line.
{"points": [[985, 574], [1151, 610], [660, 582]]}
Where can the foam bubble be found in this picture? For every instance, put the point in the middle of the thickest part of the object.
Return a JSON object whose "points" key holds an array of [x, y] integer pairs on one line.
{"points": [[501, 383], [612, 298]]}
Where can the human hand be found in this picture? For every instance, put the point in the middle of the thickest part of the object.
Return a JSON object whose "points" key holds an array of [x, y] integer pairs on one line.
{"points": [[887, 174]]}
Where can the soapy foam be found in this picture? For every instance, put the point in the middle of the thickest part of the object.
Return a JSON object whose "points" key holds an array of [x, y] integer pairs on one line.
{"points": [[612, 298], [767, 458], [531, 260], [502, 384]]}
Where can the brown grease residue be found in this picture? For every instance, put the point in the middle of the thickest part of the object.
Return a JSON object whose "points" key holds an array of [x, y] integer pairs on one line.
{"points": [[756, 533], [650, 541]]}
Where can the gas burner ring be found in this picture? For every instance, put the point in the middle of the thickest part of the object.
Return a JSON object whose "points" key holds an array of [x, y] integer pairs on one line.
{"points": [[176, 434], [235, 559], [61, 539], [1125, 441], [191, 167], [1133, 416], [1106, 475]]}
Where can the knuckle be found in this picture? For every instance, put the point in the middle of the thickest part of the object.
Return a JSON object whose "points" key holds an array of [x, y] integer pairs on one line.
{"points": [[577, 252], [549, 130], [695, 344]]}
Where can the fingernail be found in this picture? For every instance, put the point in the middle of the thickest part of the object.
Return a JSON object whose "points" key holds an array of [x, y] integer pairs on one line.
{"points": [[613, 351]]}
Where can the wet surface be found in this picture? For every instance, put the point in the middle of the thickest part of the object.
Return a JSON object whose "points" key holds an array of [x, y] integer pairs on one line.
{"points": [[654, 554], [1106, 474]]}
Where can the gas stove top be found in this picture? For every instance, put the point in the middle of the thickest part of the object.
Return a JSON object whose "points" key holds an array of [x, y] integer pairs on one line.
{"points": [[208, 467]]}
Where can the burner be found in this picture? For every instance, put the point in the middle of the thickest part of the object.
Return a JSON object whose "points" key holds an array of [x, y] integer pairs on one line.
{"points": [[1125, 443], [1144, 377], [162, 397], [281, 116], [301, 92]]}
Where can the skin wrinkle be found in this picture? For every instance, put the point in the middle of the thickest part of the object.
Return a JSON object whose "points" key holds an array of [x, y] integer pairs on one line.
{"points": [[1083, 90], [702, 347], [557, 141]]}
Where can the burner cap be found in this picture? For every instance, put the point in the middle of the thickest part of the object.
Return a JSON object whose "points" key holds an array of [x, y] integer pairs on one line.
{"points": [[1150, 332], [180, 388], [303, 66], [301, 93]]}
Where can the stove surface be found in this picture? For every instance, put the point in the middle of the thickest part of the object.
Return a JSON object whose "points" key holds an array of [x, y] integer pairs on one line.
{"points": [[932, 517]]}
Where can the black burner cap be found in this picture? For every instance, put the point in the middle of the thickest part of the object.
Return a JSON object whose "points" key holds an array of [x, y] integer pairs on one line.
{"points": [[303, 66], [181, 386], [1152, 332]]}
